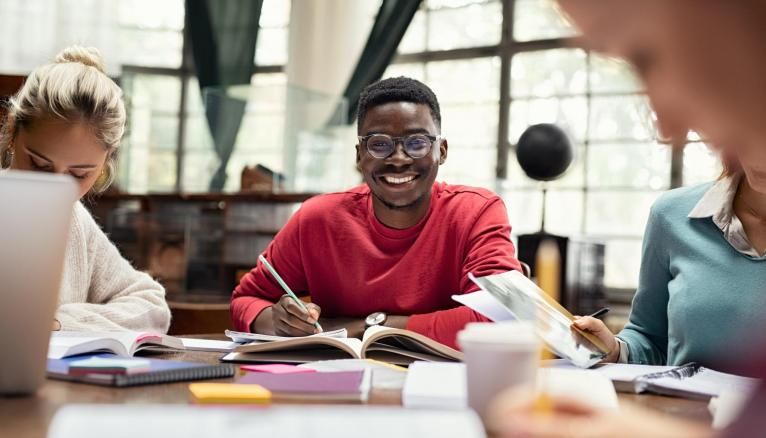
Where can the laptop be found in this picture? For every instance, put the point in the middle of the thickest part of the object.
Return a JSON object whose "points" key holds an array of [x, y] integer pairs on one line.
{"points": [[35, 218]]}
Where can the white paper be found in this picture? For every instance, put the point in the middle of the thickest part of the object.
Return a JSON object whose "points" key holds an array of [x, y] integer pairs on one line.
{"points": [[242, 337], [435, 385], [384, 375], [194, 344], [587, 386], [482, 302], [162, 421]]}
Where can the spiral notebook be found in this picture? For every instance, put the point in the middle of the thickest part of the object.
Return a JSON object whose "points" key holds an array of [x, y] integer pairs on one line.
{"points": [[160, 371], [688, 381]]}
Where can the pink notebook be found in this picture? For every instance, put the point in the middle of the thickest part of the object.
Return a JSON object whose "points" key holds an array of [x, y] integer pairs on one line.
{"points": [[277, 368], [339, 385]]}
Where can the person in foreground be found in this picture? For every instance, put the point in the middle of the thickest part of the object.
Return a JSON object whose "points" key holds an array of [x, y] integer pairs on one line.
{"points": [[68, 118], [393, 250], [701, 292]]}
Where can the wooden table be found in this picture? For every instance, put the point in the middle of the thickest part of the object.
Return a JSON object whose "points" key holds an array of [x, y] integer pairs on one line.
{"points": [[28, 417]]}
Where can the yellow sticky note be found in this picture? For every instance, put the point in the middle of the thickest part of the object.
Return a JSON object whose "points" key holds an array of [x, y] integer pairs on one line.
{"points": [[229, 393]]}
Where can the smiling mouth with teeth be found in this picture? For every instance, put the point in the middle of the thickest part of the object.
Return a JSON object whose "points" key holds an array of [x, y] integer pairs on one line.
{"points": [[395, 180]]}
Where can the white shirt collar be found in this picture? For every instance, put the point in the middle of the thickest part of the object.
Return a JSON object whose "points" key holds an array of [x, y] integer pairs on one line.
{"points": [[718, 204]]}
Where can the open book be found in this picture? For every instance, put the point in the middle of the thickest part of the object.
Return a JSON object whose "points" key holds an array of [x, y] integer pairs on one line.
{"points": [[688, 381], [386, 344], [125, 343]]}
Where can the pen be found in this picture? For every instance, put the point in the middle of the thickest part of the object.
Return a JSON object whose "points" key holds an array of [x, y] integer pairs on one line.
{"points": [[599, 312], [285, 287]]}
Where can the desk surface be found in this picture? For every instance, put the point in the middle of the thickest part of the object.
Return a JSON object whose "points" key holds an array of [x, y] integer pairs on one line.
{"points": [[28, 417]]}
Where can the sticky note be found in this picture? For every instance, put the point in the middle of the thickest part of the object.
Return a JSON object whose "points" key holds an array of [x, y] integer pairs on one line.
{"points": [[219, 393]]}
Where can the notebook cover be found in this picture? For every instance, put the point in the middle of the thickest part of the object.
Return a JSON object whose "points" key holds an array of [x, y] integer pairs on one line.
{"points": [[160, 371], [340, 382]]}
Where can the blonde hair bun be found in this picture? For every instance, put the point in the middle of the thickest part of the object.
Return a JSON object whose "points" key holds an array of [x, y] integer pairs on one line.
{"points": [[89, 56]]}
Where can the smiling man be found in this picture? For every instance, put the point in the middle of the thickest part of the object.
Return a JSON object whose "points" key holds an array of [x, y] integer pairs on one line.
{"points": [[391, 251]]}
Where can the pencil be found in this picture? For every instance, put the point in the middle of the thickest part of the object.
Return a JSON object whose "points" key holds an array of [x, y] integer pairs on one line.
{"points": [[599, 312], [285, 287]]}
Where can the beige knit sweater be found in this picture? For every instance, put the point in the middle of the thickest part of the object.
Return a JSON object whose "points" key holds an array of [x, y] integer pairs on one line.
{"points": [[100, 290]]}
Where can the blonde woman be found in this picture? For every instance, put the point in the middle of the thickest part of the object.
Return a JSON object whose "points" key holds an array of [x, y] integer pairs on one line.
{"points": [[68, 118]]}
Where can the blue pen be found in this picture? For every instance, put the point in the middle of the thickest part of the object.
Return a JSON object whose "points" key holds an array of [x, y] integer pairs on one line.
{"points": [[286, 288]]}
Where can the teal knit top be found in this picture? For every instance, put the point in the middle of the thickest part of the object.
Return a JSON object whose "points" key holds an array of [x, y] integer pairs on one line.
{"points": [[698, 298]]}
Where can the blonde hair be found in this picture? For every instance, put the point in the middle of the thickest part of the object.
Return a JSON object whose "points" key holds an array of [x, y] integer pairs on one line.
{"points": [[74, 87]]}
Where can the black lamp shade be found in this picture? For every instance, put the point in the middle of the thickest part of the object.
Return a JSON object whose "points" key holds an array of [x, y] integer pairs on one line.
{"points": [[544, 152]]}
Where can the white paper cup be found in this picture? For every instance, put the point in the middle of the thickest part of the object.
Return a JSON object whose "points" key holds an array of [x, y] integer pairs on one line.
{"points": [[498, 356]]}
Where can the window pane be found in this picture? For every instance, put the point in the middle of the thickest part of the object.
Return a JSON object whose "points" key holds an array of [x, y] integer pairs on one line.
{"points": [[147, 160], [609, 75], [151, 48], [622, 262], [539, 19], [151, 39], [271, 47], [563, 212], [621, 117], [548, 73], [414, 71], [469, 166], [478, 79], [636, 165], [274, 13], [570, 113], [701, 164], [167, 14], [524, 210], [468, 125], [617, 213], [469, 26], [414, 39]]}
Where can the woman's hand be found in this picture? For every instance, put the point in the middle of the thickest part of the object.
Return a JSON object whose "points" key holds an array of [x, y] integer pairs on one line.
{"points": [[599, 330]]}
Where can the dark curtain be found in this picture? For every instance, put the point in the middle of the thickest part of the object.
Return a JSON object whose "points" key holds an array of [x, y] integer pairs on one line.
{"points": [[390, 24], [223, 34]]}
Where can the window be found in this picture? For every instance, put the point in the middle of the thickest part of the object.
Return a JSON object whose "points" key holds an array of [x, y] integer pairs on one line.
{"points": [[619, 168], [271, 46]]}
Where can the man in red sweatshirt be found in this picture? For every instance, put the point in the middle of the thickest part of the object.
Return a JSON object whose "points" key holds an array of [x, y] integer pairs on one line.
{"points": [[391, 251]]}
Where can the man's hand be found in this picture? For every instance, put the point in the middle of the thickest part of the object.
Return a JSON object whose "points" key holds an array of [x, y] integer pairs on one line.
{"points": [[286, 318]]}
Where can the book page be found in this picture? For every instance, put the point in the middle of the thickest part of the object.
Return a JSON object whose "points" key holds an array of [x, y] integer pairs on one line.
{"points": [[67, 343], [705, 382], [351, 346], [243, 337], [406, 344]]}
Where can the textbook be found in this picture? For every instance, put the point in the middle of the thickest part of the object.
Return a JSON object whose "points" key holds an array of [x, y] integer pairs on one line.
{"points": [[125, 343], [159, 371], [688, 381], [385, 344]]}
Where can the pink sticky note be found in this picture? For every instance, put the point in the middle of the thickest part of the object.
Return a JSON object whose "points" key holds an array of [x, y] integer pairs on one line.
{"points": [[277, 368]]}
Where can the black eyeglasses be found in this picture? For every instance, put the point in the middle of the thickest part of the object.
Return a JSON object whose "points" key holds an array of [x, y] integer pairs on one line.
{"points": [[381, 146]]}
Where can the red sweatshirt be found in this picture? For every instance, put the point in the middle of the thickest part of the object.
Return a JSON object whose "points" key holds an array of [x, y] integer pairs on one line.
{"points": [[335, 250]]}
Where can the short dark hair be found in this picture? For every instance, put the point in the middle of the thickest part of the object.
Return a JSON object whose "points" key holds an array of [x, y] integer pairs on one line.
{"points": [[400, 89]]}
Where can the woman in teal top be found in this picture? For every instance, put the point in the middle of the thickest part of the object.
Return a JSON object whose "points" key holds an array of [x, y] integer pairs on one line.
{"points": [[702, 285]]}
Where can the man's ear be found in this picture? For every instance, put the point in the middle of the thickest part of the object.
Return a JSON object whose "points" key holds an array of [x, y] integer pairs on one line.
{"points": [[443, 147], [358, 157]]}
